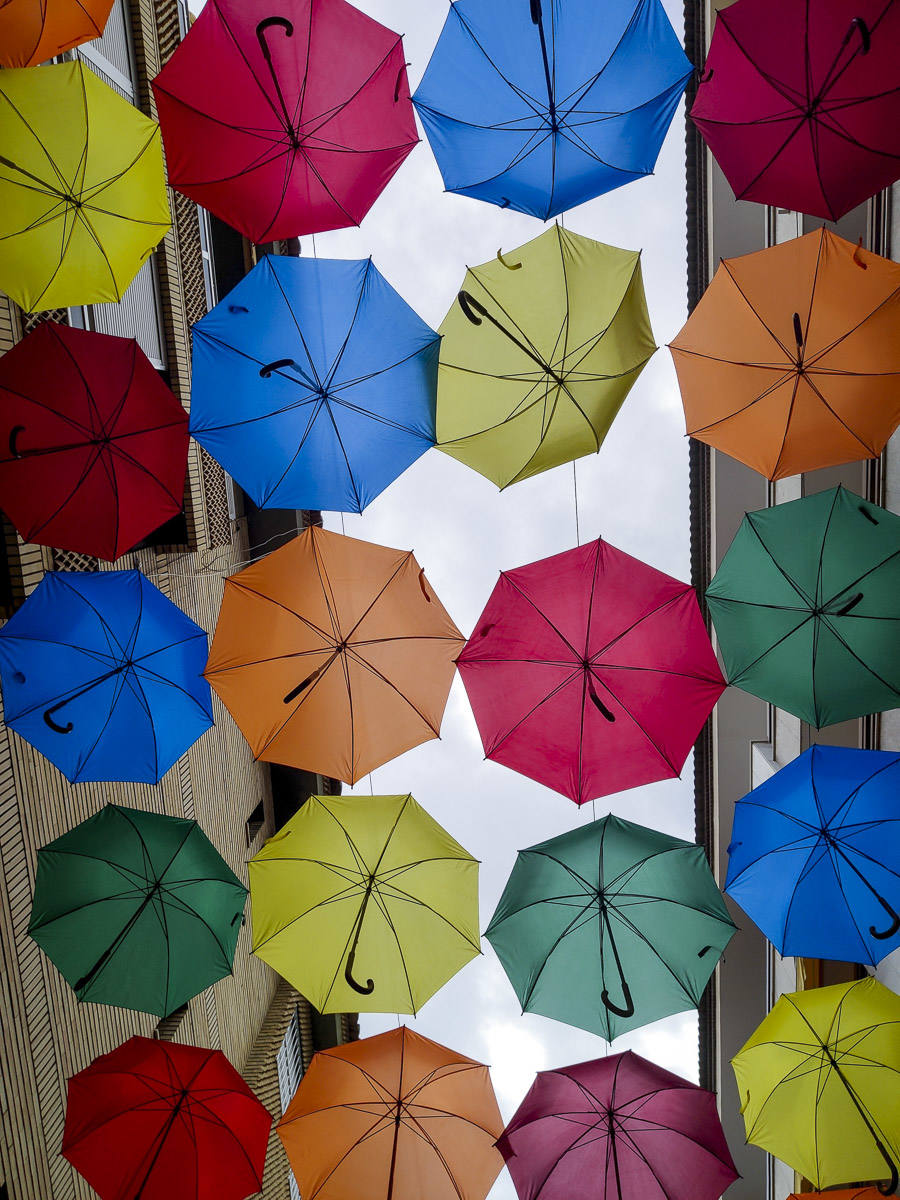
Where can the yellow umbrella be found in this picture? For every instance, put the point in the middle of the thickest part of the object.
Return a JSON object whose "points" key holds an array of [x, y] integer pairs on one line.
{"points": [[82, 188]]}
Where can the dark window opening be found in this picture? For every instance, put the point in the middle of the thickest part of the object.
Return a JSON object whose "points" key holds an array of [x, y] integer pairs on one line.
{"points": [[254, 823]]}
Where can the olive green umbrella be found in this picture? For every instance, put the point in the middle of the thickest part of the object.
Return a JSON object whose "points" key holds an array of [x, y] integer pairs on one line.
{"points": [[539, 351], [806, 605]]}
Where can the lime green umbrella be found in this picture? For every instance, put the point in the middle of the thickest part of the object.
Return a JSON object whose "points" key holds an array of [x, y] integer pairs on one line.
{"points": [[539, 351], [364, 902]]}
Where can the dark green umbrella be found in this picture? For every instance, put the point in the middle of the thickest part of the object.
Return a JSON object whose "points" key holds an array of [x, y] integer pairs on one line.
{"points": [[806, 605], [136, 909], [610, 926]]}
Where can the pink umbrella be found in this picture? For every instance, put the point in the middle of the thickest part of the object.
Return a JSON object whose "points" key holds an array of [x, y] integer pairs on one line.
{"points": [[618, 1128], [590, 672]]}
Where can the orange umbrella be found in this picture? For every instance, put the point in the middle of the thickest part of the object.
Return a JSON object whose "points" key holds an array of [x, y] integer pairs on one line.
{"points": [[333, 655], [393, 1117], [790, 360], [32, 31]]}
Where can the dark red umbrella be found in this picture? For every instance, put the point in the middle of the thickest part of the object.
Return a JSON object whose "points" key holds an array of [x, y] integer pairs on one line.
{"points": [[93, 445], [618, 1128], [154, 1120], [800, 102], [285, 118], [590, 672]]}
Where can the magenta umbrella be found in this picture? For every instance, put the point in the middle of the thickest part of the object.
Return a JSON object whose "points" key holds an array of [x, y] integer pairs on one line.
{"points": [[800, 102], [617, 1128], [590, 672]]}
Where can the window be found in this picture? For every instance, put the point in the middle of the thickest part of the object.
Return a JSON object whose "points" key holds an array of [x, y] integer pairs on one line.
{"points": [[289, 1062], [254, 823]]}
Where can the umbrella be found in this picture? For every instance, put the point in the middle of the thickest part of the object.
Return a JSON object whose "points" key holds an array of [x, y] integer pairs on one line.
{"points": [[818, 1081], [815, 855], [136, 909], [806, 603], [395, 1115], [863, 1193], [162, 1121], [333, 655], [364, 889], [104, 676], [539, 105], [789, 361], [610, 926], [535, 366], [287, 119], [800, 106], [590, 672], [617, 1128], [82, 190], [31, 31], [95, 445], [314, 383]]}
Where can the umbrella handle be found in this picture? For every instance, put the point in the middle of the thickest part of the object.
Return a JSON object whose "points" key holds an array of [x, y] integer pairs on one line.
{"points": [[399, 78], [536, 13], [261, 28], [859, 24], [598, 703], [13, 438], [509, 266], [266, 371], [895, 924], [348, 975], [48, 719], [628, 1010], [471, 307], [889, 1188]]}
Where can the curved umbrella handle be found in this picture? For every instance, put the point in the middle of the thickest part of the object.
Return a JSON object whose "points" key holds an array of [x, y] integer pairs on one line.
{"points": [[536, 13], [13, 439], [865, 37], [509, 266], [886, 933], [471, 307], [399, 78], [266, 371], [348, 975], [598, 703], [889, 1188], [628, 1010], [48, 719], [281, 22]]}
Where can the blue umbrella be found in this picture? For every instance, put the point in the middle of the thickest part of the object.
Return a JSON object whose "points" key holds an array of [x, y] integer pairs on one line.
{"points": [[104, 676], [815, 855], [539, 105], [314, 383]]}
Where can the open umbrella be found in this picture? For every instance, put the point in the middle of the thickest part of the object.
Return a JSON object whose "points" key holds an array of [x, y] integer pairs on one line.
{"points": [[104, 676], [364, 902], [800, 105], [617, 1128], [155, 1120], [590, 672], [610, 926], [136, 909], [818, 1080], [789, 362], [333, 655], [539, 105], [93, 445], [862, 1193], [815, 855], [539, 353], [806, 604], [395, 1116], [285, 119], [33, 31], [82, 189], [314, 383]]}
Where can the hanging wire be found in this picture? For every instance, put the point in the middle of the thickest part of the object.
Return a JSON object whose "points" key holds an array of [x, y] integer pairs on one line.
{"points": [[575, 486], [343, 530], [371, 788]]}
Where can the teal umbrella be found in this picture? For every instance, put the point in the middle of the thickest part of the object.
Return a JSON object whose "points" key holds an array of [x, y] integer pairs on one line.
{"points": [[136, 909], [610, 926], [806, 605]]}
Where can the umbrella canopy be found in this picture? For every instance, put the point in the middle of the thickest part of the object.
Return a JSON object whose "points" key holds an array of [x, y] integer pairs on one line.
{"points": [[815, 855], [314, 383], [162, 1121], [94, 443], [364, 888], [394, 1115], [800, 105], [82, 189], [610, 926], [818, 1082], [806, 603], [540, 106], [617, 1128], [789, 361], [104, 676], [136, 909], [535, 366], [864, 1193], [333, 655], [590, 672], [32, 31], [285, 119]]}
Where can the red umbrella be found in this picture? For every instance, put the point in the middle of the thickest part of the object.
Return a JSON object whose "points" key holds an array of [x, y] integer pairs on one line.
{"points": [[155, 1120], [285, 124], [93, 445], [590, 672], [800, 103]]}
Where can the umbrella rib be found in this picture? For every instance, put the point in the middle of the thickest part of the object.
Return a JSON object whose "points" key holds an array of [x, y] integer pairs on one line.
{"points": [[528, 100], [662, 754], [495, 746], [777, 340], [360, 661], [508, 577], [808, 601], [556, 944]]}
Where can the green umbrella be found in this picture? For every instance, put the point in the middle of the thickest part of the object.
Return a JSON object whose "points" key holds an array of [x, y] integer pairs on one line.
{"points": [[610, 926], [806, 605], [136, 909]]}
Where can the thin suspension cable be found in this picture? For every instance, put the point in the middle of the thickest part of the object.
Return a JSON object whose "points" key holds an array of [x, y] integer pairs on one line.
{"points": [[575, 489]]}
